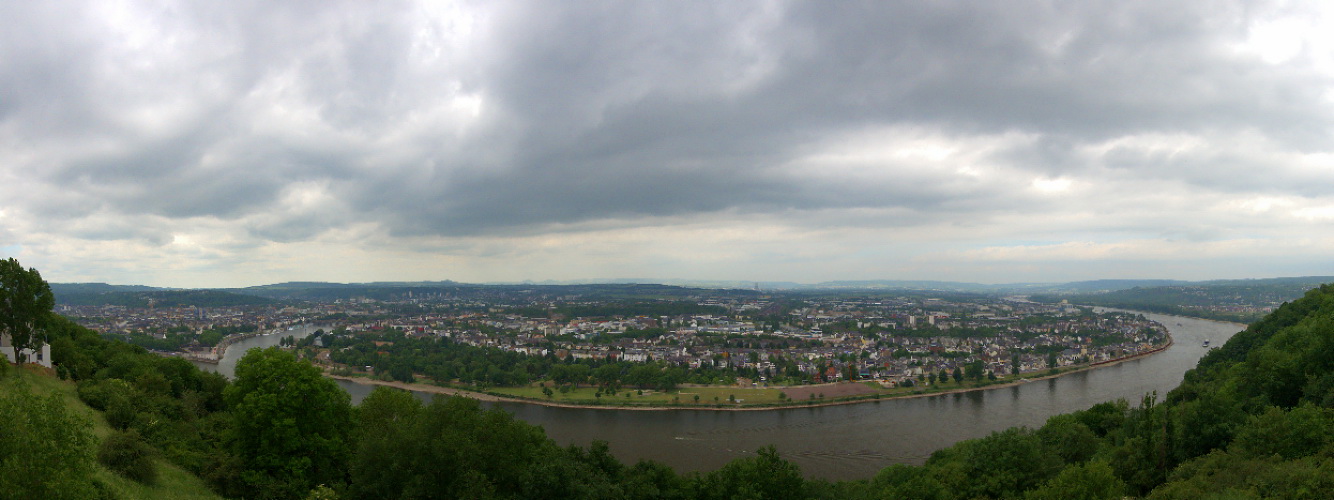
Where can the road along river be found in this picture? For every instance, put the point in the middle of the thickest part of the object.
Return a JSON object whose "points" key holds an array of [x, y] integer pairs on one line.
{"points": [[847, 441]]}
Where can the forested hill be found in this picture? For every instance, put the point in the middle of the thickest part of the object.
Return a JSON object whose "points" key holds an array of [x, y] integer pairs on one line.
{"points": [[1253, 420], [157, 298], [1242, 301], [495, 293]]}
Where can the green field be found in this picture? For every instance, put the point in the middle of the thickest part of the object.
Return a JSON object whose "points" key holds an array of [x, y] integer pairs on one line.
{"points": [[723, 396], [633, 397]]}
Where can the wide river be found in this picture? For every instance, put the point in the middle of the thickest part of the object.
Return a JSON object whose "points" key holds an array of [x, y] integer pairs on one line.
{"points": [[849, 441]]}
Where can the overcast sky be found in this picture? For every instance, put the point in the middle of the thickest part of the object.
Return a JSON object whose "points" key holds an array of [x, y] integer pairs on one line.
{"points": [[214, 144]]}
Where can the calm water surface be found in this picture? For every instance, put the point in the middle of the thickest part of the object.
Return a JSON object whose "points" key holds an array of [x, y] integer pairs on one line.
{"points": [[849, 441]]}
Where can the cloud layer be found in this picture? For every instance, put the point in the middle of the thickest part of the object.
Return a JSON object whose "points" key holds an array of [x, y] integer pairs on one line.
{"points": [[240, 143]]}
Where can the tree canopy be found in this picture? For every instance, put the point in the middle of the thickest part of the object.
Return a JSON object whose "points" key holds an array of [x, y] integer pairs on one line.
{"points": [[25, 306], [291, 426]]}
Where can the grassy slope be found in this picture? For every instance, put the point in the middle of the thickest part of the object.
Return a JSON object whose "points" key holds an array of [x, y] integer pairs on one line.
{"points": [[173, 482]]}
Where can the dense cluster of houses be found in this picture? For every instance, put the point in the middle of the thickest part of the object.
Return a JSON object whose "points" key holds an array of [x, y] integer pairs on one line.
{"points": [[892, 339]]}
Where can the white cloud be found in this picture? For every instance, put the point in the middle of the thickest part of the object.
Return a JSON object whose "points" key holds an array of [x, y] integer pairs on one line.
{"points": [[235, 143]]}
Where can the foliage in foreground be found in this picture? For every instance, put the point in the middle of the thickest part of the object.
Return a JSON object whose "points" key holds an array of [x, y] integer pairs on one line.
{"points": [[45, 450], [126, 453]]}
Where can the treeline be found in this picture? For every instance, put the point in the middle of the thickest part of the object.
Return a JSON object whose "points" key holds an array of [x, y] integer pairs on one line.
{"points": [[1155, 306], [622, 309], [178, 338], [1235, 301], [162, 298], [489, 293]]}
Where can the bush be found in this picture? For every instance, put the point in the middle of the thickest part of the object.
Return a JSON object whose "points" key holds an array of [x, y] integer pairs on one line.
{"points": [[127, 454], [46, 450], [120, 414], [100, 394]]}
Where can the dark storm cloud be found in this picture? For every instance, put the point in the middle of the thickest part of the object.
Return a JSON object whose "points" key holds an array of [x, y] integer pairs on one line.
{"points": [[602, 111], [623, 113]]}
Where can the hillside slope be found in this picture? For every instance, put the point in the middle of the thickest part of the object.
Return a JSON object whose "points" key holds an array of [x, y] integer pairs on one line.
{"points": [[1253, 420], [171, 482]]}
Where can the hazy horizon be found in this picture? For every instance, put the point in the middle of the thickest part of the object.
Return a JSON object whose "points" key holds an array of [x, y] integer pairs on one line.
{"points": [[187, 144], [704, 283]]}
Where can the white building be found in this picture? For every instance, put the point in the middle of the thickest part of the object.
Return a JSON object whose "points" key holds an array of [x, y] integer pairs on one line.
{"points": [[41, 356]]}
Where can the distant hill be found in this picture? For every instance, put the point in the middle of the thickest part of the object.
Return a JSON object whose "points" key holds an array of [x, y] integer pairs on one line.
{"points": [[1233, 300], [316, 285], [400, 291], [59, 289], [1230, 300], [161, 298], [1113, 285]]}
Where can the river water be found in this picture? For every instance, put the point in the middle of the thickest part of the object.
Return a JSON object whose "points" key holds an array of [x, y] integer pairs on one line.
{"points": [[848, 441]]}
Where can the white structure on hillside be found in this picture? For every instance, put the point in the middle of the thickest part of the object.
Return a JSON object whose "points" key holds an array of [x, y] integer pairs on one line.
{"points": [[41, 356]]}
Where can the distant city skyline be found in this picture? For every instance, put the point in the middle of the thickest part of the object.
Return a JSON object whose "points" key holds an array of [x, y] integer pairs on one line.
{"points": [[211, 145]]}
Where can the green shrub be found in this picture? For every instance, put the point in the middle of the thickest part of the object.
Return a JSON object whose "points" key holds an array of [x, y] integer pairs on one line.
{"points": [[120, 414], [100, 394], [127, 454], [46, 450]]}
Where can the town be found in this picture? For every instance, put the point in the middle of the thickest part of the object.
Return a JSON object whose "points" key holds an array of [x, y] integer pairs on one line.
{"points": [[755, 339]]}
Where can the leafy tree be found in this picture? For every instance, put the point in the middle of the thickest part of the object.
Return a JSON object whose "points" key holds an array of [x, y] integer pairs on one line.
{"points": [[1001, 465], [1103, 418], [765, 475], [1070, 439], [454, 449], [651, 480], [1204, 424], [904, 481], [1225, 475], [1297, 433], [385, 429], [127, 454], [1140, 457], [210, 338], [25, 306], [1091, 481], [290, 425], [973, 370]]}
